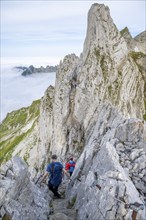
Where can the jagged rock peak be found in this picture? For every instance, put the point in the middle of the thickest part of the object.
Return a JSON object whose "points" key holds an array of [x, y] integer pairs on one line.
{"points": [[68, 62], [141, 37], [125, 32], [128, 38], [103, 34], [137, 44], [141, 41], [66, 66]]}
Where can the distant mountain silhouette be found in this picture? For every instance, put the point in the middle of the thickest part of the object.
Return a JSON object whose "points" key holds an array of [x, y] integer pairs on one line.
{"points": [[31, 69]]}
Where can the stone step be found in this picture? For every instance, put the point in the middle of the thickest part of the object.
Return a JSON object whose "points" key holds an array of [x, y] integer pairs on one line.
{"points": [[61, 210], [60, 216]]}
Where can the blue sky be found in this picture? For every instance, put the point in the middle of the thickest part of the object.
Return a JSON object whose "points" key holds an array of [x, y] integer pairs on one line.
{"points": [[56, 28]]}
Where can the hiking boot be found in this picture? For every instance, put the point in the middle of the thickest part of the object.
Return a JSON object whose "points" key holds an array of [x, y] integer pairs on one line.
{"points": [[57, 197]]}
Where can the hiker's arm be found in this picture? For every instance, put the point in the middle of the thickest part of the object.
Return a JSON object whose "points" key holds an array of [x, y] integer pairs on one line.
{"points": [[44, 176], [67, 174]]}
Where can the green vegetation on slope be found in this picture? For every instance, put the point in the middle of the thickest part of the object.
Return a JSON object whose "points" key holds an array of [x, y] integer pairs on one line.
{"points": [[137, 55], [18, 118], [11, 133], [13, 120], [123, 31], [9, 146], [34, 109]]}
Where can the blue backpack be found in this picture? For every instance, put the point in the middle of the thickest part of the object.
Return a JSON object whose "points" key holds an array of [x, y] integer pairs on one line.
{"points": [[55, 170], [71, 169]]}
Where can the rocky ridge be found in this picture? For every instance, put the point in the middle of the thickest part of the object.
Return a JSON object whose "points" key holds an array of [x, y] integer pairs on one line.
{"points": [[96, 113], [31, 69], [138, 43]]}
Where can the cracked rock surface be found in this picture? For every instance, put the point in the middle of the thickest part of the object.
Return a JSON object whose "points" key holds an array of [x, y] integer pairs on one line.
{"points": [[21, 199], [105, 172]]}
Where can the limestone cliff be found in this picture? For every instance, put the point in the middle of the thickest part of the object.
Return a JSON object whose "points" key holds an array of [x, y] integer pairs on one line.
{"points": [[106, 72]]}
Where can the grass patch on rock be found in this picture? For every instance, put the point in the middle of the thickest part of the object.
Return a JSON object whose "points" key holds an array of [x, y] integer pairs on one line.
{"points": [[72, 202], [137, 55]]}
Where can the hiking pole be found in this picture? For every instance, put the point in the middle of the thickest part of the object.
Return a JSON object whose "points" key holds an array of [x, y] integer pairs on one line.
{"points": [[38, 179]]}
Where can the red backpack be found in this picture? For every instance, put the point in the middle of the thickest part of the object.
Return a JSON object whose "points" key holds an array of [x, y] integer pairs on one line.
{"points": [[69, 165]]}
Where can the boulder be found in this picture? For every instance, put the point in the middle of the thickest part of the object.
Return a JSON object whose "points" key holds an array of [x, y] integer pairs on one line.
{"points": [[21, 199]]}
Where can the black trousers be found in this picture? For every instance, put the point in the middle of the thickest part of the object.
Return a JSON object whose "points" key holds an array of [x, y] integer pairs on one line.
{"points": [[70, 173], [54, 189]]}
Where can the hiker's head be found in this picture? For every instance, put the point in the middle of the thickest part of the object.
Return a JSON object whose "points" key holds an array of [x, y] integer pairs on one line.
{"points": [[54, 157], [71, 158]]}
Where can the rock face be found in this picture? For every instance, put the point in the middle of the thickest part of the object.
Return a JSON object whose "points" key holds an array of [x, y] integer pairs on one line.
{"points": [[45, 125], [20, 198], [106, 72], [65, 126], [141, 41], [111, 170]]}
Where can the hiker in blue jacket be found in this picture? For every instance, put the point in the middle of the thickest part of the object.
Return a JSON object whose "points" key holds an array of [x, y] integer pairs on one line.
{"points": [[56, 170]]}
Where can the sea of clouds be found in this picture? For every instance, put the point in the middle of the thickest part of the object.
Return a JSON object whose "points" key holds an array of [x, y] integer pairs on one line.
{"points": [[19, 91]]}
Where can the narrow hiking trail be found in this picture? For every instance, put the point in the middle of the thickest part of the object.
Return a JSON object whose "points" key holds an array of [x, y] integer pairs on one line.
{"points": [[61, 209]]}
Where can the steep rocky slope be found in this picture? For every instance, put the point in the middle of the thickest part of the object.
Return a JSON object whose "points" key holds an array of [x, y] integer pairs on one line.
{"points": [[19, 132], [110, 174], [96, 113], [141, 41]]}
